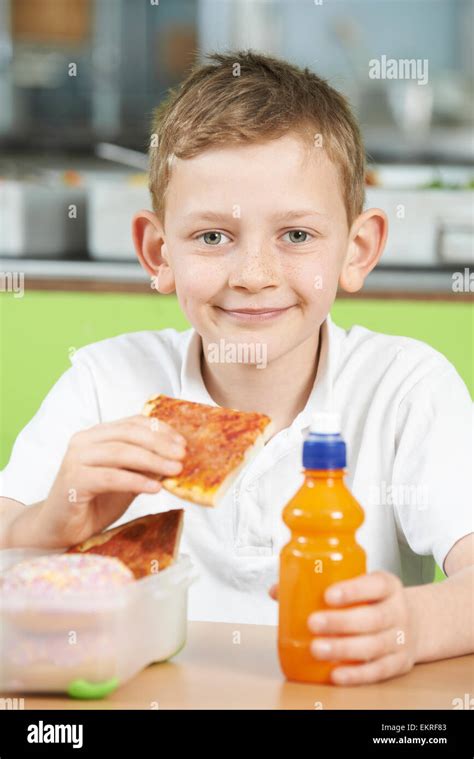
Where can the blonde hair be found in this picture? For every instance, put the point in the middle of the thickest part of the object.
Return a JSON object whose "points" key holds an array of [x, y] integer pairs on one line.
{"points": [[244, 97]]}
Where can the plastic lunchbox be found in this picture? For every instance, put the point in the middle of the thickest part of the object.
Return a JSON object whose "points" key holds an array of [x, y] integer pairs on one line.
{"points": [[87, 645]]}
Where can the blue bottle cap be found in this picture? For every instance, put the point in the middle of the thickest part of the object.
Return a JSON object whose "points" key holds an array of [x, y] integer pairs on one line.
{"points": [[324, 448]]}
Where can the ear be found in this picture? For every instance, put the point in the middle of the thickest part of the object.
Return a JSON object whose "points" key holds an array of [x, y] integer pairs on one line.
{"points": [[150, 247], [367, 238]]}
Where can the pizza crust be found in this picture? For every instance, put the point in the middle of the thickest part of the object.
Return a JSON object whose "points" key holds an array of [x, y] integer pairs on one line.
{"points": [[141, 544]]}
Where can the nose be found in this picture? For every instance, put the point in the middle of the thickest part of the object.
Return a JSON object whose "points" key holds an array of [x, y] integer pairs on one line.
{"points": [[254, 270]]}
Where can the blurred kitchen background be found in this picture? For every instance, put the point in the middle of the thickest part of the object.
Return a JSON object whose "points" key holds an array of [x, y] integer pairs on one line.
{"points": [[75, 74], [78, 82]]}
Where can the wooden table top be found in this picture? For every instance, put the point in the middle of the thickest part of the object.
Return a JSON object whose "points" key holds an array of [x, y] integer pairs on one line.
{"points": [[235, 666]]}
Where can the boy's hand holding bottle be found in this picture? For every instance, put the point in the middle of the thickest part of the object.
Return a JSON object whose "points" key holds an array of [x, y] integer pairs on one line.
{"points": [[364, 625]]}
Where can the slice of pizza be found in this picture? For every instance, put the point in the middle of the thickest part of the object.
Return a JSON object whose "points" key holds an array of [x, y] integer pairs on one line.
{"points": [[220, 441], [145, 545]]}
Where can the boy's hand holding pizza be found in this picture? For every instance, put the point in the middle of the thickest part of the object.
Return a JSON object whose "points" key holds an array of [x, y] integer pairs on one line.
{"points": [[105, 467]]}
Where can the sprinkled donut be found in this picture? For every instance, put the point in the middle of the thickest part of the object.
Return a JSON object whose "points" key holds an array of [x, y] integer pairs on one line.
{"points": [[63, 592], [62, 575]]}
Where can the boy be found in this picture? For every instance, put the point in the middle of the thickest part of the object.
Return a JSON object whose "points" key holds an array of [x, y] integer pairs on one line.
{"points": [[257, 179]]}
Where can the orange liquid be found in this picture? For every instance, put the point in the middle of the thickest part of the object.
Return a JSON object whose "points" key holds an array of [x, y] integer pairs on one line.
{"points": [[323, 517]]}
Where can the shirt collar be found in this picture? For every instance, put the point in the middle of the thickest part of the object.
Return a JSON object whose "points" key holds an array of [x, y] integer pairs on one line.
{"points": [[321, 396], [194, 389]]}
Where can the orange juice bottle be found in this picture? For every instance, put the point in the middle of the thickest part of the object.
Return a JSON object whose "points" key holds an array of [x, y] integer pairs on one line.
{"points": [[323, 517]]}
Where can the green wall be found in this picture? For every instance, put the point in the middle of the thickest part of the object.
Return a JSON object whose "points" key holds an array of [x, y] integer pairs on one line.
{"points": [[39, 331]]}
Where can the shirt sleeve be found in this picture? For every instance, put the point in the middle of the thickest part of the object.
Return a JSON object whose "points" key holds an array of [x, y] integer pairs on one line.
{"points": [[433, 467], [70, 405]]}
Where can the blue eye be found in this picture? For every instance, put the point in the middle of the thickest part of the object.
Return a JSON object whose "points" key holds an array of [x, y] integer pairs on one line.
{"points": [[210, 237], [297, 235]]}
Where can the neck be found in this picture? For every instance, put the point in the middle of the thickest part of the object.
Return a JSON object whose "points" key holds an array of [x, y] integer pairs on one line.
{"points": [[280, 391]]}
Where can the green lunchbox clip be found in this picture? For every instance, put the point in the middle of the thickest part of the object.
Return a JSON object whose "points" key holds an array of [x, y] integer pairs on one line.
{"points": [[85, 689]]}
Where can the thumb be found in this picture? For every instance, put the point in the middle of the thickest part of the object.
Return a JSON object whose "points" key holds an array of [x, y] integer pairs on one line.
{"points": [[273, 592]]}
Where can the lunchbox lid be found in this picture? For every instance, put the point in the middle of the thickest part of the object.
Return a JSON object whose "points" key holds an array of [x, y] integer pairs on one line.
{"points": [[178, 575]]}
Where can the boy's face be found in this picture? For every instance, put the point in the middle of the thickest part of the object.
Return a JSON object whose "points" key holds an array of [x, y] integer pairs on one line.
{"points": [[260, 227]]}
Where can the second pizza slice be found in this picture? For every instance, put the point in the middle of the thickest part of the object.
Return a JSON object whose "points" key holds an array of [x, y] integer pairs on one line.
{"points": [[220, 441]]}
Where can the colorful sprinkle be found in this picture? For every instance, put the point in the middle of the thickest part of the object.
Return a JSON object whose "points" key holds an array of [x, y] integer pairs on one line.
{"points": [[62, 575]]}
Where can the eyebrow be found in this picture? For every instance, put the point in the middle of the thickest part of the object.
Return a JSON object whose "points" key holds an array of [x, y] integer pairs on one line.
{"points": [[282, 216]]}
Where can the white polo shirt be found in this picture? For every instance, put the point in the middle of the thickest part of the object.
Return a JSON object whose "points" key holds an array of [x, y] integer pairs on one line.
{"points": [[406, 418]]}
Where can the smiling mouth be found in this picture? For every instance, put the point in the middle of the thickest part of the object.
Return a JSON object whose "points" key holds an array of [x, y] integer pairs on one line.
{"points": [[254, 314]]}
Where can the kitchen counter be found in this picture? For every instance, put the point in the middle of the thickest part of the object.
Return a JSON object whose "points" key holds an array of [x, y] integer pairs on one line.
{"points": [[386, 281], [213, 671]]}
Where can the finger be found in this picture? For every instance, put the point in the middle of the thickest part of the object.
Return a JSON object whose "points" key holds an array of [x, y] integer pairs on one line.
{"points": [[273, 592], [99, 480], [125, 456], [129, 432], [371, 672], [362, 589], [155, 424], [158, 425], [355, 647], [367, 618]]}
